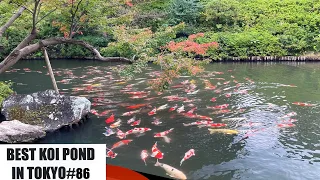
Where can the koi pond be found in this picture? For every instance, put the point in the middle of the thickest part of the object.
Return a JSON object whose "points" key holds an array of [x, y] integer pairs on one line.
{"points": [[269, 113]]}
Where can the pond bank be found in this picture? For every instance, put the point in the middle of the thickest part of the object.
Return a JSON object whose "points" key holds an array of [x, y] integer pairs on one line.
{"points": [[230, 59]]}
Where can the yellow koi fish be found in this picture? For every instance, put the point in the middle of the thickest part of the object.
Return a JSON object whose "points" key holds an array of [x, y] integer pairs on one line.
{"points": [[224, 131]]}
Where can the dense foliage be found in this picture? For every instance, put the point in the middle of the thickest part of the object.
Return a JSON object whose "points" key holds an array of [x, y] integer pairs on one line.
{"points": [[5, 91], [242, 28], [148, 29]]}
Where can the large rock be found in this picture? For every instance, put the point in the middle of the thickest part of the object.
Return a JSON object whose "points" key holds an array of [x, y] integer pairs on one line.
{"points": [[46, 109], [15, 131]]}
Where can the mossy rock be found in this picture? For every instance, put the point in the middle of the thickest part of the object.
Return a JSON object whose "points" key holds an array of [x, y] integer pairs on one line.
{"points": [[47, 109]]}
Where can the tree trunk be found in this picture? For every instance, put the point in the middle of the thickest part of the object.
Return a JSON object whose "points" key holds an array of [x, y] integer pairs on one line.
{"points": [[17, 54], [46, 58], [11, 20]]}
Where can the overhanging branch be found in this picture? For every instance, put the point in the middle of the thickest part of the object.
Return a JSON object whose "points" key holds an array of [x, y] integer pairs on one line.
{"points": [[16, 55]]}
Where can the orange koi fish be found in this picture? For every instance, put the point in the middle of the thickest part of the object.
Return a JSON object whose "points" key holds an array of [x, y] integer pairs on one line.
{"points": [[110, 119], [137, 106], [121, 143]]}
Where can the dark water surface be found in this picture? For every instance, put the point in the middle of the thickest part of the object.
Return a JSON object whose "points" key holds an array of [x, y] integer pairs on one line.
{"points": [[270, 153]]}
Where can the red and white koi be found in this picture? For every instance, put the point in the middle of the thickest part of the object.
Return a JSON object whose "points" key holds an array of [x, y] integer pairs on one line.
{"points": [[164, 135], [213, 125], [204, 117], [137, 131], [93, 111], [185, 82], [251, 124], [228, 95], [198, 123], [187, 155], [191, 110], [156, 121], [120, 134], [213, 99], [131, 112], [111, 154], [289, 115], [131, 120], [144, 155], [138, 97], [303, 104], [193, 92], [105, 112], [136, 123], [156, 153], [286, 125], [137, 93], [223, 106], [173, 108], [153, 112], [289, 121]]}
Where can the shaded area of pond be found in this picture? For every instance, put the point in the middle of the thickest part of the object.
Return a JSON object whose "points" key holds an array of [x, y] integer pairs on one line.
{"points": [[270, 153]]}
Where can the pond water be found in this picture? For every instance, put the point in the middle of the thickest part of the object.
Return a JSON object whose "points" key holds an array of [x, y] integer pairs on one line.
{"points": [[261, 93]]}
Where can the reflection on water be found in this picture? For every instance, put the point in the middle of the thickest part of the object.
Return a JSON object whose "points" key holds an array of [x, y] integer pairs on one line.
{"points": [[262, 150]]}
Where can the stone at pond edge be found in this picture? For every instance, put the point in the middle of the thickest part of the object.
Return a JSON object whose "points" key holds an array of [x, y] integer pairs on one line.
{"points": [[15, 131], [47, 109]]}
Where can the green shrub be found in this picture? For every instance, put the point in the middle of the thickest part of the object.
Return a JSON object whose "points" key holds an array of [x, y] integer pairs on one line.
{"points": [[5, 91], [244, 44], [187, 11]]}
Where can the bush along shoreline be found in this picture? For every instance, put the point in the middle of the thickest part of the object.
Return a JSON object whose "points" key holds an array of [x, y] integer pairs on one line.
{"points": [[313, 58], [245, 30]]}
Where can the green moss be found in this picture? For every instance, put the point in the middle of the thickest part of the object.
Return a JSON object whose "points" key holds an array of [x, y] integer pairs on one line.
{"points": [[32, 117]]}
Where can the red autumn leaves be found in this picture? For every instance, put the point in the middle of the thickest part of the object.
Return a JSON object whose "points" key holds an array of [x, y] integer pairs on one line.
{"points": [[129, 3], [190, 46]]}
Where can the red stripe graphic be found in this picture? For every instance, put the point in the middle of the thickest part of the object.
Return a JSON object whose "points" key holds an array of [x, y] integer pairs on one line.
{"points": [[120, 173]]}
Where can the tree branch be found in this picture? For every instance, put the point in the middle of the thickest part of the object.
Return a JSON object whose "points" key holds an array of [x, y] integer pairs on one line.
{"points": [[34, 15], [46, 15], [11, 20], [16, 55], [73, 16]]}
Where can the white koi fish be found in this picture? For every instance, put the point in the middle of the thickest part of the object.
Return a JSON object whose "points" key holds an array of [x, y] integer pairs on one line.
{"points": [[131, 112], [163, 107], [171, 171], [180, 109]]}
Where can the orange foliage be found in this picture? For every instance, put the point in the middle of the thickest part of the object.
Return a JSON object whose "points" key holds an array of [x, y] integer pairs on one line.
{"points": [[190, 46], [129, 3]]}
